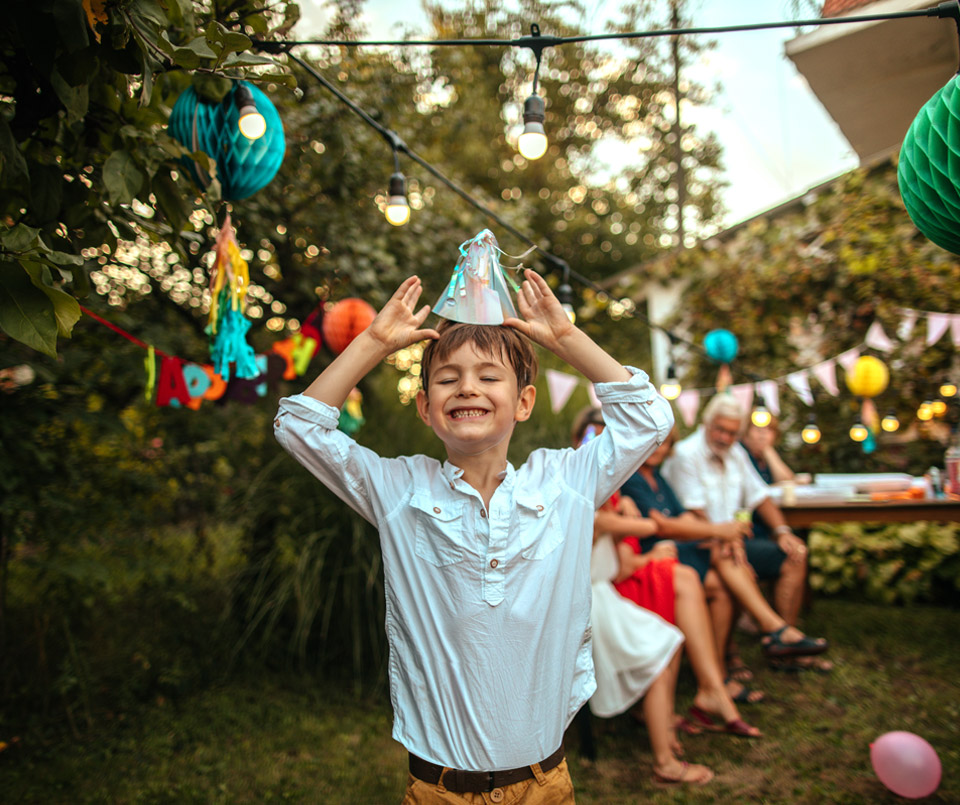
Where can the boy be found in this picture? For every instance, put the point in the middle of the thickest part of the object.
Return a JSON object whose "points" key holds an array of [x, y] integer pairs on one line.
{"points": [[486, 567]]}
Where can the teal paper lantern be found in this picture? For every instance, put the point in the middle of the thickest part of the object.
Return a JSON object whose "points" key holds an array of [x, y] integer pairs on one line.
{"points": [[721, 346], [929, 169], [244, 166]]}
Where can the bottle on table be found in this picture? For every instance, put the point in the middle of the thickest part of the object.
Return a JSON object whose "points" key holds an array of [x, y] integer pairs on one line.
{"points": [[951, 463]]}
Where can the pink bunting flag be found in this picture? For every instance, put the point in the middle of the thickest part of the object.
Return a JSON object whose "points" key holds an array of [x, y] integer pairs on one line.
{"points": [[826, 373], [800, 383], [955, 330], [743, 393], [689, 403], [560, 385], [937, 324], [877, 338], [769, 392], [907, 322], [849, 358]]}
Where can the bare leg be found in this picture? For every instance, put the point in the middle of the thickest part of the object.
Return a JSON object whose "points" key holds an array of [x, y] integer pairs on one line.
{"points": [[658, 713], [693, 620], [742, 584], [788, 590], [721, 609]]}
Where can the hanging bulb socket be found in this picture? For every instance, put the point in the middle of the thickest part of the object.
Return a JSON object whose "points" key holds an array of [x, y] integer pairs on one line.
{"points": [[565, 297], [670, 388], [890, 423], [533, 141], [398, 210], [858, 431], [252, 124], [810, 433]]}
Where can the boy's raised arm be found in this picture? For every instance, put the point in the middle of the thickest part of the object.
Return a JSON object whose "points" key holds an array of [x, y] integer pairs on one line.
{"points": [[396, 326], [546, 322]]}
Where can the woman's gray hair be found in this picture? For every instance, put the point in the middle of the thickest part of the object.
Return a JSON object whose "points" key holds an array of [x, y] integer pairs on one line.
{"points": [[723, 404]]}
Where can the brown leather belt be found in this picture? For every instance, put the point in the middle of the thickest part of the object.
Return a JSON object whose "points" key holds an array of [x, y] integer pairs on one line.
{"points": [[477, 781]]}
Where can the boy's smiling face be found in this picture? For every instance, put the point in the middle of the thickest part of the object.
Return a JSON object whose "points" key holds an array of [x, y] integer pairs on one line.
{"points": [[472, 402]]}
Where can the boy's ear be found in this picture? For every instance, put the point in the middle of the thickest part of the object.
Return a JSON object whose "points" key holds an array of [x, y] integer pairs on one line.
{"points": [[528, 396], [423, 406]]}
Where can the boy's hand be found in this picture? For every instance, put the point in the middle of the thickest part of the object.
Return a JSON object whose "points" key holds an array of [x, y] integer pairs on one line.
{"points": [[544, 320], [397, 325]]}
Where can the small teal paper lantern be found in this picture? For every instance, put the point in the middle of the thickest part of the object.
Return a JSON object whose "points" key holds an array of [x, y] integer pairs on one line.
{"points": [[244, 166], [721, 346], [929, 169]]}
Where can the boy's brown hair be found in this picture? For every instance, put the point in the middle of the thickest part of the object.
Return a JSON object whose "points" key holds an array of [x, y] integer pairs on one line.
{"points": [[495, 340]]}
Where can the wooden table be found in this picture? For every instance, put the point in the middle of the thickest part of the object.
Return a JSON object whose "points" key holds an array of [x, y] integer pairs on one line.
{"points": [[803, 515]]}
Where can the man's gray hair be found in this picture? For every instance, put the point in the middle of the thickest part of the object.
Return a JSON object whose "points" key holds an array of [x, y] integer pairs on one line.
{"points": [[723, 404]]}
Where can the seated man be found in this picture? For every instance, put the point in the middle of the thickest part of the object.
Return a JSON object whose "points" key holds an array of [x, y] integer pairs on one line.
{"points": [[714, 478]]}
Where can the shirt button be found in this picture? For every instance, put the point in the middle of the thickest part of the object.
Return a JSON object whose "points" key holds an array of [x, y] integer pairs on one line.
{"points": [[436, 510], [539, 508], [496, 795], [483, 512], [494, 563]]}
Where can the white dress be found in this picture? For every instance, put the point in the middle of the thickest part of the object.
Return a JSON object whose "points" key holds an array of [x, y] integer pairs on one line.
{"points": [[631, 645]]}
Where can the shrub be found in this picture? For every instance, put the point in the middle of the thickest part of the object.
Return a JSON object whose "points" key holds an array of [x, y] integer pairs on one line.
{"points": [[888, 562]]}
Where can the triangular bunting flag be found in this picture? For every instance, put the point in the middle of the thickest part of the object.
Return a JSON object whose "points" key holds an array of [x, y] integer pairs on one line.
{"points": [[560, 385], [826, 373], [937, 324], [743, 393], [905, 328], [689, 403], [955, 330], [849, 358], [769, 392], [877, 338], [800, 383]]}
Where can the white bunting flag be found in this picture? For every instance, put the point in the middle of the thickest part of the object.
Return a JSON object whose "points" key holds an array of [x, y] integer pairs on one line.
{"points": [[849, 358], [561, 386], [877, 338], [743, 393], [937, 324], [905, 328], [826, 373], [955, 329], [800, 383], [689, 403], [769, 392]]}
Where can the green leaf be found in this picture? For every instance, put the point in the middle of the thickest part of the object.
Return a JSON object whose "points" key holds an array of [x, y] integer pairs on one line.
{"points": [[285, 79], [21, 238], [246, 60], [200, 46], [234, 42], [214, 35], [65, 307], [186, 58], [13, 167], [75, 100], [122, 177], [26, 313], [46, 192]]}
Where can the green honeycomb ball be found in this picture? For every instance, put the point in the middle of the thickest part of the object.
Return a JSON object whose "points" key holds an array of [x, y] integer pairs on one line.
{"points": [[929, 169]]}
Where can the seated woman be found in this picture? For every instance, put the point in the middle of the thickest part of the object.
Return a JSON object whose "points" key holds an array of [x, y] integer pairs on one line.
{"points": [[716, 551], [620, 657]]}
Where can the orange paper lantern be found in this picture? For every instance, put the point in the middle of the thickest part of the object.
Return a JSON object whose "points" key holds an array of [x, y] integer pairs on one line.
{"points": [[344, 321]]}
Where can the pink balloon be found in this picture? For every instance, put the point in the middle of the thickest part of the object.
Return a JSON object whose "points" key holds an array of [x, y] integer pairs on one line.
{"points": [[906, 764]]}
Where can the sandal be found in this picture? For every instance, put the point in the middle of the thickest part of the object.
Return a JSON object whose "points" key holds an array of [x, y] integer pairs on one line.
{"points": [[736, 726], [738, 669], [745, 695], [775, 647], [690, 774], [685, 725]]}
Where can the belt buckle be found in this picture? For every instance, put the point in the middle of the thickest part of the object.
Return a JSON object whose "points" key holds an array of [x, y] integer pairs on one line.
{"points": [[490, 785]]}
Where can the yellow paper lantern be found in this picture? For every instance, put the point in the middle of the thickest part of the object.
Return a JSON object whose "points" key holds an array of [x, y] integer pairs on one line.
{"points": [[868, 377]]}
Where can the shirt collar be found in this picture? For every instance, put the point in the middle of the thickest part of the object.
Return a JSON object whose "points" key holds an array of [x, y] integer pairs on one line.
{"points": [[453, 473]]}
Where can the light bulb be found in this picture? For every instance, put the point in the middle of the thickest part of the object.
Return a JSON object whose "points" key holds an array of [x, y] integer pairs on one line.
{"points": [[890, 423], [810, 433], [948, 389], [252, 124], [858, 432], [565, 296], [532, 143], [938, 407], [925, 411], [398, 211], [761, 417], [670, 391]]}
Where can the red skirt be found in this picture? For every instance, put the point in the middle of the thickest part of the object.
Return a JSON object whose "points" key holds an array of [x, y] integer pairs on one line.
{"points": [[651, 587]]}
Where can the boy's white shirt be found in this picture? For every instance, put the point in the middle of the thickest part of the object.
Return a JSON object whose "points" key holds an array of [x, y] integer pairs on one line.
{"points": [[487, 613]]}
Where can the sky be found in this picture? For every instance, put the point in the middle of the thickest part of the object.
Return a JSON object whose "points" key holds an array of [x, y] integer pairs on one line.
{"points": [[778, 140]]}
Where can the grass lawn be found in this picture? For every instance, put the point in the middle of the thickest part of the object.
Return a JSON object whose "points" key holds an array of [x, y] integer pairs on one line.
{"points": [[280, 740]]}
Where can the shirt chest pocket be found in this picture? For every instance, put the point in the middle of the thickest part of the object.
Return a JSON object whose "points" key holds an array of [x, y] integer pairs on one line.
{"points": [[539, 523], [438, 525]]}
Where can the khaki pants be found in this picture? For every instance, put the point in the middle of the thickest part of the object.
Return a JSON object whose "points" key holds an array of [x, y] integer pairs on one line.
{"points": [[545, 788]]}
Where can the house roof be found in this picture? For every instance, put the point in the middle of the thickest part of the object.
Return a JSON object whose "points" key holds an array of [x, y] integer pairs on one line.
{"points": [[832, 8]]}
